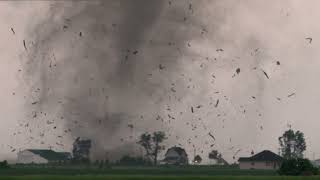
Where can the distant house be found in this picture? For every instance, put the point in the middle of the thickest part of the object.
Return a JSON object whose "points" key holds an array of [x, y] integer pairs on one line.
{"points": [[176, 156], [263, 160], [42, 156]]}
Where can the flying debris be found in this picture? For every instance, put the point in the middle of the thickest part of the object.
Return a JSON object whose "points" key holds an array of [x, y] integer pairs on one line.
{"points": [[238, 70], [80, 34], [219, 50], [292, 94], [212, 136], [309, 39], [253, 97], [265, 74], [135, 52], [24, 44], [13, 31], [161, 67], [34, 103], [217, 103], [65, 27], [192, 110], [199, 106], [278, 63], [173, 90]]}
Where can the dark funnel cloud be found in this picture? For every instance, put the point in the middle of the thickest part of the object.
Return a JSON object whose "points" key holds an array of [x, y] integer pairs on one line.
{"points": [[105, 69]]}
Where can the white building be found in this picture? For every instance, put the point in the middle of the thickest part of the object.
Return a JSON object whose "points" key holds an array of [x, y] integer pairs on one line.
{"points": [[42, 156], [263, 160]]}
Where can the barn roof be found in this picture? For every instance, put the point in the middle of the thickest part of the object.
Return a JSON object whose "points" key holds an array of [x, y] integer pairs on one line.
{"points": [[262, 156], [50, 154]]}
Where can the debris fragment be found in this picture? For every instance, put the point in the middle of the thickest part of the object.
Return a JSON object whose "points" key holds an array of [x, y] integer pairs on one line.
{"points": [[199, 106], [34, 103], [192, 110], [265, 74], [24, 44], [13, 31], [278, 63], [161, 67], [238, 70], [173, 90], [80, 34], [212, 136], [219, 50], [292, 94], [309, 39], [135, 52], [217, 103]]}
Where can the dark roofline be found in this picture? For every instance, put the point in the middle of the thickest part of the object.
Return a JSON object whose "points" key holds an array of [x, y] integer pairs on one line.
{"points": [[263, 156]]}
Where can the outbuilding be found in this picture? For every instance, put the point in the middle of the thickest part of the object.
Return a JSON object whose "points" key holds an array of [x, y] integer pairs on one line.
{"points": [[42, 156]]}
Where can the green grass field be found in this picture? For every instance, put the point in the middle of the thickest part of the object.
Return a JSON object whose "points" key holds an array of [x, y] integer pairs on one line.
{"points": [[137, 173], [135, 177]]}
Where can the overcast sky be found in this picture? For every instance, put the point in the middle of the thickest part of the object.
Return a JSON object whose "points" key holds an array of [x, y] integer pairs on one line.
{"points": [[150, 63]]}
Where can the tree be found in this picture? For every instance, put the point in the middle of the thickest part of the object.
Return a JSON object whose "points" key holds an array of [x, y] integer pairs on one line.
{"points": [[152, 144], [292, 144], [4, 164], [296, 167]]}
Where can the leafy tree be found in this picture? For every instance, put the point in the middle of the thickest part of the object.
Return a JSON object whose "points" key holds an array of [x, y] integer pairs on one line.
{"points": [[152, 144], [4, 164], [296, 167], [292, 144]]}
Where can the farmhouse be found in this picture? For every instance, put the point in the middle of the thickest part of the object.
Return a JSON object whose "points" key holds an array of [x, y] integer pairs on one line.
{"points": [[42, 156], [176, 155], [263, 160]]}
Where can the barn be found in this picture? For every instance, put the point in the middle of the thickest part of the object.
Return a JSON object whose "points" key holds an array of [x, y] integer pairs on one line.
{"points": [[42, 156]]}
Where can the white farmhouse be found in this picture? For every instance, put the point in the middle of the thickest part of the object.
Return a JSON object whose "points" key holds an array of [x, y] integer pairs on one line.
{"points": [[263, 160], [42, 156]]}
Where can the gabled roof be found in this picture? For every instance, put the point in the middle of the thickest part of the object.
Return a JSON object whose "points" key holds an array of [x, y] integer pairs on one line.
{"points": [[51, 155], [179, 150], [262, 156]]}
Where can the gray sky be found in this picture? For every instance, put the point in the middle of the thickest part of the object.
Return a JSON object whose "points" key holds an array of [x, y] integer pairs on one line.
{"points": [[254, 35]]}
